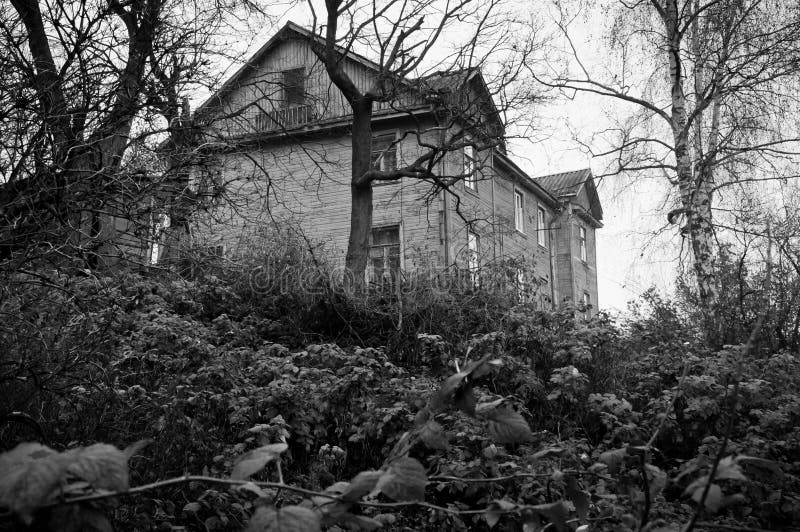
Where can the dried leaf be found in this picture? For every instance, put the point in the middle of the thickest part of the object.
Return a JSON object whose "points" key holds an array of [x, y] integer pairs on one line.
{"points": [[286, 519], [404, 480], [254, 461]]}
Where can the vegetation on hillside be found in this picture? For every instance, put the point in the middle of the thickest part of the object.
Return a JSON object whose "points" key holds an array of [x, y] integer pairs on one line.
{"points": [[157, 403]]}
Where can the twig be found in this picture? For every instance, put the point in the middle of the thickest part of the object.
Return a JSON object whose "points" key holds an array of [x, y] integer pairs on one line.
{"points": [[275, 485], [737, 528]]}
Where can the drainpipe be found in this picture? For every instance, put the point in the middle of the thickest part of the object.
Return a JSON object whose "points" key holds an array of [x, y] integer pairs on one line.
{"points": [[552, 252]]}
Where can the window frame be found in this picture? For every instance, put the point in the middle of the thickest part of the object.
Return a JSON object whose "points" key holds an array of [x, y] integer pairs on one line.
{"points": [[386, 255], [380, 158], [541, 229], [293, 94], [473, 256], [469, 167], [519, 211], [582, 245]]}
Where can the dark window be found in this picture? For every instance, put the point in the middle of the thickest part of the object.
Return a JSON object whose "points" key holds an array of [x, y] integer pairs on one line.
{"points": [[384, 253], [384, 152], [294, 87]]}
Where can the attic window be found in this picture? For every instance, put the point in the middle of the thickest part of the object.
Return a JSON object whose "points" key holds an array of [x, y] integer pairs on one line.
{"points": [[294, 87]]}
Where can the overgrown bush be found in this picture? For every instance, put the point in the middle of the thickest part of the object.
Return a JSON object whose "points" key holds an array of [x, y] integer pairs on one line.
{"points": [[573, 423]]}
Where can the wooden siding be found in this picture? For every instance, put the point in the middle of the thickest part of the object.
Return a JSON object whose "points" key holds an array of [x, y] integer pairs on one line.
{"points": [[256, 104]]}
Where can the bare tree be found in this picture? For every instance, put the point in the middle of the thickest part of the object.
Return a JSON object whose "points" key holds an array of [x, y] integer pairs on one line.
{"points": [[403, 37], [81, 80], [710, 82]]}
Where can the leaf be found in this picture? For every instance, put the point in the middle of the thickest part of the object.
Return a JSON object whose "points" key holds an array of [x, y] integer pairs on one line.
{"points": [[77, 518], [496, 510], [713, 499], [432, 434], [135, 447], [613, 458], [458, 388], [361, 484], [254, 461], [546, 453], [578, 497], [556, 513], [192, 507], [359, 522], [286, 519], [507, 425], [728, 469], [403, 481], [657, 479], [102, 465], [760, 469], [30, 475]]}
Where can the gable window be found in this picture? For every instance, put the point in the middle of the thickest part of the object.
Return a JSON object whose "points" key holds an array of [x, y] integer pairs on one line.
{"points": [[470, 168], [541, 233], [384, 253], [384, 153], [582, 242], [294, 87], [519, 211], [473, 250]]}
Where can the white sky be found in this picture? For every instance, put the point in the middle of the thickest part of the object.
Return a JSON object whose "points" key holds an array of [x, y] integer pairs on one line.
{"points": [[630, 259]]}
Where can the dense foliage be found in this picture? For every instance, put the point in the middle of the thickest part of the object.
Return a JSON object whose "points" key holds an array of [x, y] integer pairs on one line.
{"points": [[455, 411]]}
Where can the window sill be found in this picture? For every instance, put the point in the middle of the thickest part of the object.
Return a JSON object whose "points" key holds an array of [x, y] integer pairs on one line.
{"points": [[472, 191]]}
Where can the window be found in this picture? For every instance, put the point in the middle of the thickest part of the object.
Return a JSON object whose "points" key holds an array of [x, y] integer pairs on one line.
{"points": [[294, 87], [587, 302], [384, 152], [159, 223], [541, 233], [473, 250], [519, 212], [384, 253], [582, 242], [470, 168]]}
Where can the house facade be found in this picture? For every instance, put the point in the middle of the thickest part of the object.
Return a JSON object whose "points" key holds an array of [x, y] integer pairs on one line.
{"points": [[277, 150]]}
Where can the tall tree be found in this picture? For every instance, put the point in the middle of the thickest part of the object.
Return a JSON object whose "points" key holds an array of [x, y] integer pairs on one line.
{"points": [[709, 82], [77, 78], [404, 37]]}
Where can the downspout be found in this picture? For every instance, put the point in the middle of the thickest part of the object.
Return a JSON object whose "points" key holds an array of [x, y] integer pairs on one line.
{"points": [[552, 253], [494, 220]]}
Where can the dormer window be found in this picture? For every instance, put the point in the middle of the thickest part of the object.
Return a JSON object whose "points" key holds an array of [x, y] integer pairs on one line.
{"points": [[294, 87]]}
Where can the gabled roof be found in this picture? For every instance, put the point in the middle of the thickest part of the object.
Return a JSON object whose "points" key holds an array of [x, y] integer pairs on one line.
{"points": [[567, 185], [288, 31], [438, 82]]}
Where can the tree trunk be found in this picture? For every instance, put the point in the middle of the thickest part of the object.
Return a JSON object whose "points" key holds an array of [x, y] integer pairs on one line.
{"points": [[360, 191], [694, 181]]}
